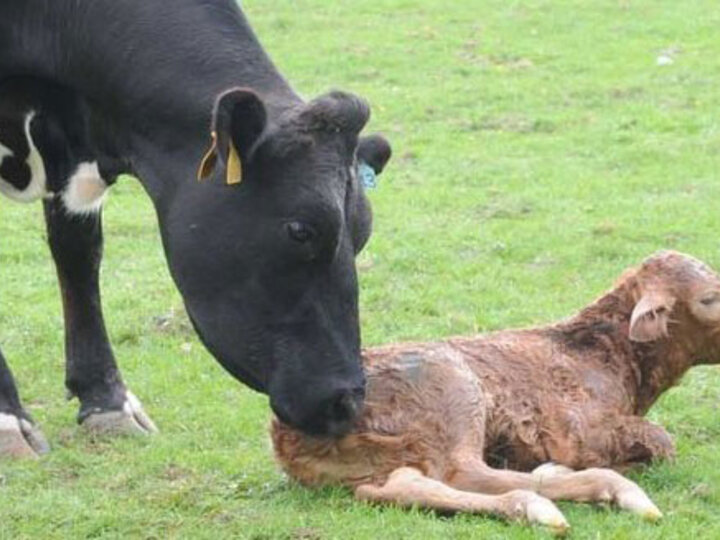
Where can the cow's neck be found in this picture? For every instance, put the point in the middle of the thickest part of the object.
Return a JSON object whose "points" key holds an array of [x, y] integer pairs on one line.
{"points": [[654, 366]]}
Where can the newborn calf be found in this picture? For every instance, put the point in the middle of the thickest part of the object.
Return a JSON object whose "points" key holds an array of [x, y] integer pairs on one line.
{"points": [[552, 400]]}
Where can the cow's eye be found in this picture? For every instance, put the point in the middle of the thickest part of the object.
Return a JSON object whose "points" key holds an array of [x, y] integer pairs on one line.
{"points": [[300, 232], [710, 300]]}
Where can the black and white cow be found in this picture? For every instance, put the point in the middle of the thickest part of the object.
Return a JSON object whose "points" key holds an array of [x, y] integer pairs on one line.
{"points": [[262, 252]]}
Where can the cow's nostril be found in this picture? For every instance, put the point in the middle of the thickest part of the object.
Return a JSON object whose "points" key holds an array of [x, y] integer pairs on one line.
{"points": [[345, 406]]}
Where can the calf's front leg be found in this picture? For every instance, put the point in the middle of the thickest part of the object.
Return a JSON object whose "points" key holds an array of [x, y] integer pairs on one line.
{"points": [[637, 440], [619, 442], [409, 487], [557, 482], [91, 371]]}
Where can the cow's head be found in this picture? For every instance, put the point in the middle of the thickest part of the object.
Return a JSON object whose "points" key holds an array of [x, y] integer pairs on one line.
{"points": [[263, 252]]}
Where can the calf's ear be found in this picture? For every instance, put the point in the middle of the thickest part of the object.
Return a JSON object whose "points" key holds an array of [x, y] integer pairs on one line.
{"points": [[650, 317], [239, 118], [374, 150]]}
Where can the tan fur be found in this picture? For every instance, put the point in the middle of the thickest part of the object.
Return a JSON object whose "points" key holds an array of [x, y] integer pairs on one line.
{"points": [[573, 393]]}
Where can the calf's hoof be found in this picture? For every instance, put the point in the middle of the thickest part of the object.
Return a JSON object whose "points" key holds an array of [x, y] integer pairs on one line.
{"points": [[537, 510], [626, 494], [130, 420], [634, 499], [20, 438]]}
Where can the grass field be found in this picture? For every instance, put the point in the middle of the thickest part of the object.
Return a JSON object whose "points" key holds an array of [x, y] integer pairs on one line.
{"points": [[541, 147]]}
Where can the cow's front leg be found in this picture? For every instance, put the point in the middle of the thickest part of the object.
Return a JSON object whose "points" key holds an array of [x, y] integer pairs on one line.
{"points": [[19, 436], [91, 372]]}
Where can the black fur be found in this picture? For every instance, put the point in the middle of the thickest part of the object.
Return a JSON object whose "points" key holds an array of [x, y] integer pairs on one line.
{"points": [[14, 169], [9, 399]]}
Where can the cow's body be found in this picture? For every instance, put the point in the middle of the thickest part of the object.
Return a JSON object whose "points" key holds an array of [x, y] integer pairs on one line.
{"points": [[91, 89]]}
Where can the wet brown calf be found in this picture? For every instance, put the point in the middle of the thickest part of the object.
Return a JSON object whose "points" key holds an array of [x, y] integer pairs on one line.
{"points": [[564, 401]]}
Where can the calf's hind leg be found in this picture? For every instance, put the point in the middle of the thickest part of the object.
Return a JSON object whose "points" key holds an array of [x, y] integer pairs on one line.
{"points": [[557, 482], [91, 372], [19, 437], [407, 487]]}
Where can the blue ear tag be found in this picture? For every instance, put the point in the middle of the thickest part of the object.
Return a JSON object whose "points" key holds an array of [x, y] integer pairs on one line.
{"points": [[367, 176]]}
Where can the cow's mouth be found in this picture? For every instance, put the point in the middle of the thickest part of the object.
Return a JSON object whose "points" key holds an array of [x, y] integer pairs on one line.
{"points": [[333, 418]]}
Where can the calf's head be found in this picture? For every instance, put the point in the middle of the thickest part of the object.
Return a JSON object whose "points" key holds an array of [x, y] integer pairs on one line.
{"points": [[263, 252], [678, 299]]}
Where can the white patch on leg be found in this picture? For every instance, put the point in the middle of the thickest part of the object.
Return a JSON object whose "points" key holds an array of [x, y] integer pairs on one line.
{"points": [[37, 188], [85, 190], [4, 152]]}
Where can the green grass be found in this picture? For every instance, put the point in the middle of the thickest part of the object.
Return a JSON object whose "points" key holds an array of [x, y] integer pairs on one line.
{"points": [[539, 150]]}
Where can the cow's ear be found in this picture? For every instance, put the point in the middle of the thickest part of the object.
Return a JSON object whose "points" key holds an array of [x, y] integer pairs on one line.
{"points": [[374, 150], [650, 317], [239, 118]]}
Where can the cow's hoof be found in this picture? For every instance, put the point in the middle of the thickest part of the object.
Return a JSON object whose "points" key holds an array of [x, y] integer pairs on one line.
{"points": [[19, 438], [131, 420]]}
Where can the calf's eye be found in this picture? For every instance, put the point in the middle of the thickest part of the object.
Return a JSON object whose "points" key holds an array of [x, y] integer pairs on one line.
{"points": [[710, 300], [300, 232]]}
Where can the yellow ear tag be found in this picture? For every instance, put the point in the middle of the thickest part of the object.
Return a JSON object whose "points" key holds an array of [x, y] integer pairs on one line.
{"points": [[234, 167], [207, 164]]}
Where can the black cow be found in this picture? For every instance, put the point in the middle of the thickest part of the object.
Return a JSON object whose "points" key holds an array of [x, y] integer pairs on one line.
{"points": [[262, 251]]}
